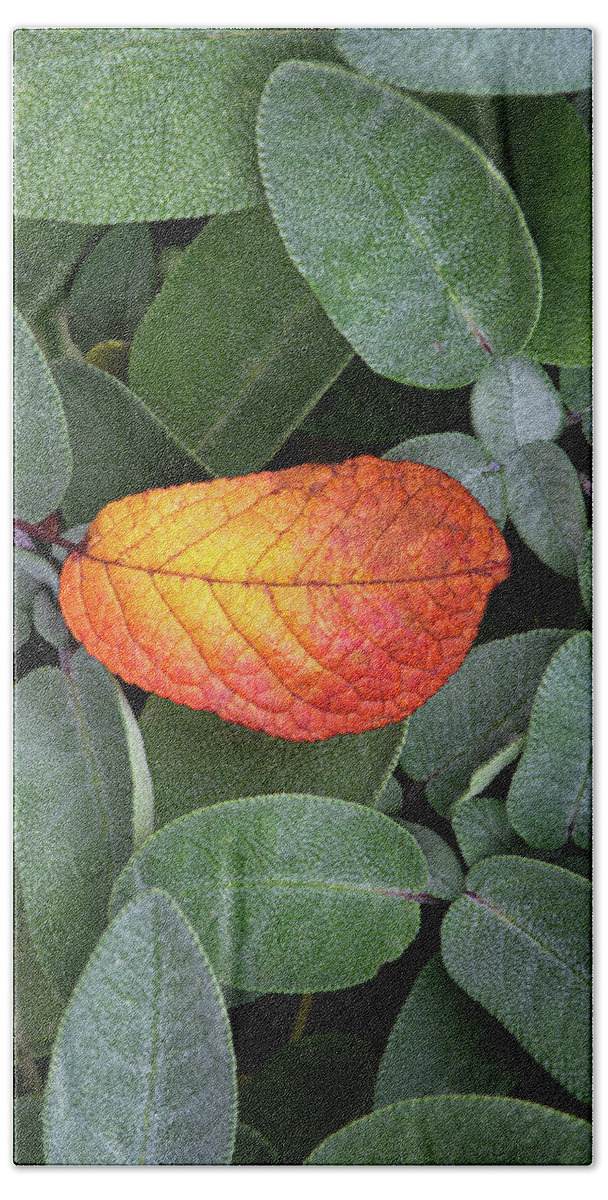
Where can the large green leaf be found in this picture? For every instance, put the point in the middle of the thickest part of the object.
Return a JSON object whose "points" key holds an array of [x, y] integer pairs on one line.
{"points": [[446, 877], [288, 893], [477, 61], [413, 242], [196, 759], [43, 459], [459, 1131], [143, 124], [478, 712], [109, 425], [73, 796], [550, 794], [546, 504], [308, 1090], [143, 1070], [113, 287], [236, 348], [442, 1043], [483, 829], [518, 942], [513, 403], [45, 253], [465, 459]]}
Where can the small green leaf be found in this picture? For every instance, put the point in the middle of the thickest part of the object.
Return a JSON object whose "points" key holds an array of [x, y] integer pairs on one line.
{"points": [[513, 403], [486, 774], [576, 388], [236, 348], [143, 790], [45, 254], [37, 568], [108, 424], [143, 124], [288, 893], [413, 242], [585, 571], [477, 61], [251, 1149], [38, 1005], [446, 877], [308, 1090], [25, 587], [550, 795], [518, 942], [478, 712], [463, 458], [43, 459], [113, 287], [143, 1069], [48, 621], [459, 1131], [483, 829], [390, 799], [73, 791], [196, 759], [442, 1043], [546, 504], [27, 1117]]}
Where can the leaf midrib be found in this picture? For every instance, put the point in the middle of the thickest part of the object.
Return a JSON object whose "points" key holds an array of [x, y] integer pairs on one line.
{"points": [[576, 971]]}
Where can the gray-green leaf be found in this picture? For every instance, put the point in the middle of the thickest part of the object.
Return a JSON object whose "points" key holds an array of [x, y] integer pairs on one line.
{"points": [[73, 793], [518, 942], [465, 459], [45, 254], [236, 348], [113, 287], [513, 403], [478, 712], [546, 504], [38, 1004], [251, 1149], [48, 621], [486, 774], [550, 795], [27, 1119], [413, 242], [585, 571], [143, 1070], [446, 877], [483, 829], [288, 893], [43, 459], [143, 790]]}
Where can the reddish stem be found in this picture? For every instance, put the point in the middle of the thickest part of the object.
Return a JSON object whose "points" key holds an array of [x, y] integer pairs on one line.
{"points": [[46, 535]]}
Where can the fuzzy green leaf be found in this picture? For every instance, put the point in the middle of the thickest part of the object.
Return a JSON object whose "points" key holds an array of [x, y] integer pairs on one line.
{"points": [[236, 348], [483, 829], [414, 244], [518, 942], [113, 287], [446, 878], [37, 1003], [478, 712], [43, 459], [463, 458], [486, 774], [513, 403], [288, 893], [550, 794], [143, 790], [576, 388], [585, 571], [27, 1119], [390, 799], [546, 504], [48, 621], [143, 1070], [251, 1149], [45, 254]]}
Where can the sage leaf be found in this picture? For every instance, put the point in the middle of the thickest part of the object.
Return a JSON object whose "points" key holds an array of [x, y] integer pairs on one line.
{"points": [[486, 774], [45, 254], [113, 287], [43, 459], [546, 504], [27, 1117], [585, 571], [513, 403], [37, 1003], [465, 459], [251, 1149], [143, 790], [446, 877], [483, 829]]}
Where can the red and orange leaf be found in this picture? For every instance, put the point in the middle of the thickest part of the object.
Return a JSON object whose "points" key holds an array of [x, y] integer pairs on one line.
{"points": [[308, 602]]}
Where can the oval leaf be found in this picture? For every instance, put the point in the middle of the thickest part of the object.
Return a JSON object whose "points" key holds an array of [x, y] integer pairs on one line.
{"points": [[288, 893], [483, 829], [459, 1131], [518, 942], [413, 242], [585, 571], [546, 504], [91, 145], [463, 458], [236, 348], [45, 253], [513, 403], [550, 794], [43, 459], [446, 878], [307, 602], [27, 1121], [147, 1030], [113, 287], [251, 1149]]}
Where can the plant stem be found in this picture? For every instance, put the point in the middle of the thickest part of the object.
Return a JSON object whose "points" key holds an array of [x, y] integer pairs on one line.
{"points": [[38, 531], [303, 1012]]}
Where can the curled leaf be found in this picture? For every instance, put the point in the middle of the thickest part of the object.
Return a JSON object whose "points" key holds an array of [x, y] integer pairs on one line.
{"points": [[308, 602]]}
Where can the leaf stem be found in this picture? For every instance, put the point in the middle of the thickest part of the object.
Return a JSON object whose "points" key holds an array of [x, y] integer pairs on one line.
{"points": [[303, 1011], [45, 535]]}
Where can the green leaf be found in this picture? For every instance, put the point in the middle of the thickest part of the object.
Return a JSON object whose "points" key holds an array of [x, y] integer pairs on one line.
{"points": [[196, 759], [108, 424], [550, 795], [38, 1005], [464, 459], [477, 61], [288, 893], [519, 943], [43, 459], [48, 621], [413, 242], [37, 568], [513, 403], [585, 571], [143, 124], [486, 774], [113, 287], [478, 712], [236, 348], [251, 1149], [390, 799], [446, 878], [143, 1070], [442, 1043], [143, 790], [308, 1090], [576, 388], [45, 253], [27, 1117], [73, 790], [25, 587], [459, 1131], [483, 829], [546, 504]]}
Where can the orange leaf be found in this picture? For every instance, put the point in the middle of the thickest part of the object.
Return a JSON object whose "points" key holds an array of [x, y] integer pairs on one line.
{"points": [[317, 600]]}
